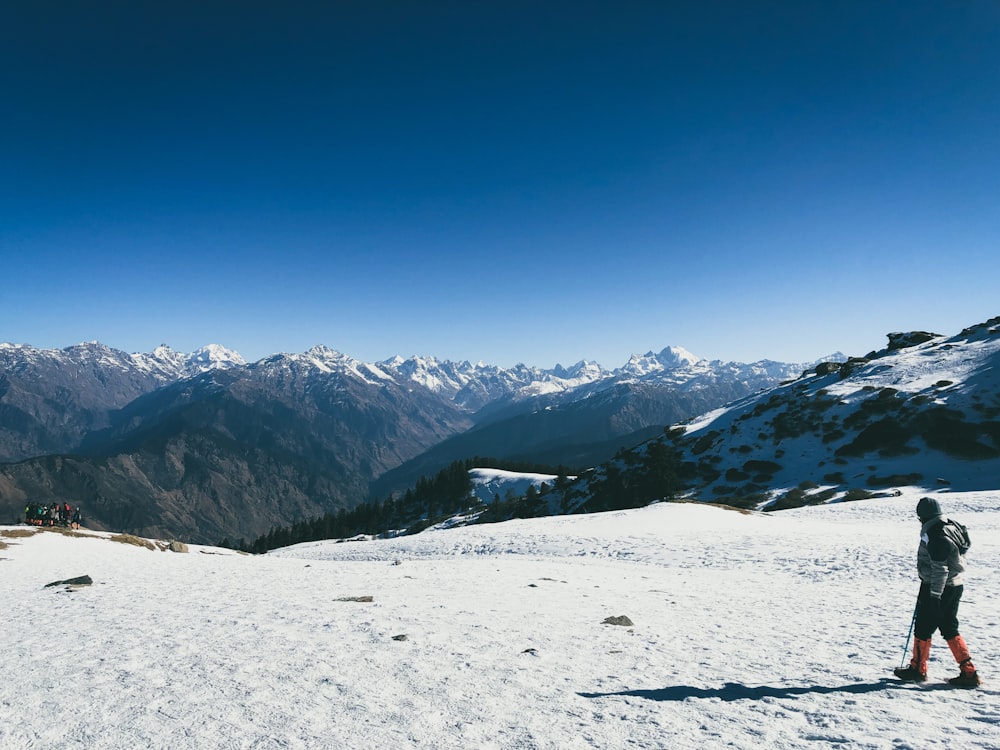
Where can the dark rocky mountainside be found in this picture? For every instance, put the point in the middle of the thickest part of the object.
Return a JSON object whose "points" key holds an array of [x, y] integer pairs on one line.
{"points": [[51, 400], [578, 434], [231, 453]]}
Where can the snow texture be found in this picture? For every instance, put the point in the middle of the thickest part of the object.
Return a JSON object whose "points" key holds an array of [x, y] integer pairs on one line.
{"points": [[488, 483], [750, 631]]}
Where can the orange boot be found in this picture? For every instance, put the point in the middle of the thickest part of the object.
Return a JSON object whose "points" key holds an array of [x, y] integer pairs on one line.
{"points": [[967, 676], [917, 671]]}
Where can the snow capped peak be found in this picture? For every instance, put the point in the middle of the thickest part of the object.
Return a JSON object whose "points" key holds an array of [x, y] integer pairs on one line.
{"points": [[413, 363], [322, 350], [642, 364], [97, 354], [837, 356], [215, 355], [582, 368], [170, 364], [162, 358], [678, 356], [434, 374], [670, 358], [87, 346], [322, 357]]}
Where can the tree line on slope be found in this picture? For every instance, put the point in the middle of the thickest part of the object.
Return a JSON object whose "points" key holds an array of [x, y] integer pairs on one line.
{"points": [[636, 477], [448, 493]]}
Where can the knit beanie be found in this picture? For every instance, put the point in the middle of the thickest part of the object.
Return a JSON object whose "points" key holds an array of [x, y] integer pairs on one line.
{"points": [[928, 508]]}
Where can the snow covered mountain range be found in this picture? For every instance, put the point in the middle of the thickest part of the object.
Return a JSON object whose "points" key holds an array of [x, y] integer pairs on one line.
{"points": [[471, 386], [236, 448], [51, 399], [204, 445], [163, 363], [923, 412]]}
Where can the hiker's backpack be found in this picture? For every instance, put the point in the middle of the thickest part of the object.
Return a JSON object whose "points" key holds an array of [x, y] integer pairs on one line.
{"points": [[958, 535]]}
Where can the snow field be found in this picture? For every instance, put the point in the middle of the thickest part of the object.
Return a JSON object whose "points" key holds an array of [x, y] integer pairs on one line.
{"points": [[749, 631]]}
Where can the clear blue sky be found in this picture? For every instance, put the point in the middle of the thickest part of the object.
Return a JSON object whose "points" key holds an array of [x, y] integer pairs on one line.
{"points": [[535, 182]]}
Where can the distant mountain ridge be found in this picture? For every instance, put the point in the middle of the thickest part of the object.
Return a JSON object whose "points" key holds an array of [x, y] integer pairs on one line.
{"points": [[49, 399], [205, 445]]}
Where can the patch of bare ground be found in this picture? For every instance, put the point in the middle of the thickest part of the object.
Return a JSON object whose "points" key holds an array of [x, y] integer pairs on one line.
{"points": [[17, 533], [133, 540], [67, 532]]}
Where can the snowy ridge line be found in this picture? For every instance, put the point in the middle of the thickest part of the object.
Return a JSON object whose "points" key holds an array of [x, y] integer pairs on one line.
{"points": [[438, 375]]}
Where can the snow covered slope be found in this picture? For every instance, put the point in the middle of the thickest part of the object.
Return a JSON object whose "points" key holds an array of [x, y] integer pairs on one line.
{"points": [[487, 484], [749, 631], [923, 412]]}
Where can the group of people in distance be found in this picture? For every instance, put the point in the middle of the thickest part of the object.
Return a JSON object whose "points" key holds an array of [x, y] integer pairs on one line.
{"points": [[56, 514]]}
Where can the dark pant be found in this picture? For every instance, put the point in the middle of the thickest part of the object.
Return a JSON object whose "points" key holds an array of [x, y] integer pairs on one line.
{"points": [[946, 620]]}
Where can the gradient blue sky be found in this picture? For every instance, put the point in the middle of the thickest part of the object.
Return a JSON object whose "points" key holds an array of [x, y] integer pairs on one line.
{"points": [[532, 182]]}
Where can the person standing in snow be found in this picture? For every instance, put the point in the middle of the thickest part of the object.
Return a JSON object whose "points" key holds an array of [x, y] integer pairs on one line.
{"points": [[940, 565]]}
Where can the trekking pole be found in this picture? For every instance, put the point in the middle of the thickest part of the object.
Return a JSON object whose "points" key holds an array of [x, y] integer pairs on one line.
{"points": [[913, 621]]}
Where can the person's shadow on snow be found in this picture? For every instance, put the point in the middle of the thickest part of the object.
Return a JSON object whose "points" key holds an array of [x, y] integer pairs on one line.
{"points": [[734, 691]]}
